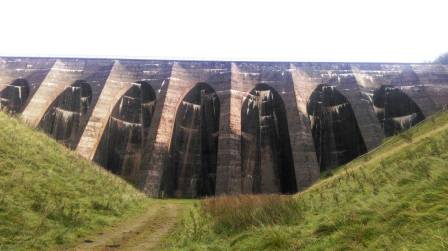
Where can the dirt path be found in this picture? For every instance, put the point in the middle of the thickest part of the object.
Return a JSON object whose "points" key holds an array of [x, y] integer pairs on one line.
{"points": [[144, 232]]}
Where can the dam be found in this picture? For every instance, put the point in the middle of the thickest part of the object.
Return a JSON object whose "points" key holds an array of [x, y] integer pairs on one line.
{"points": [[192, 129]]}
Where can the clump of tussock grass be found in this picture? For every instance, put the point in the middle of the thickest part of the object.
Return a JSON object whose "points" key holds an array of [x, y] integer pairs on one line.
{"points": [[237, 213]]}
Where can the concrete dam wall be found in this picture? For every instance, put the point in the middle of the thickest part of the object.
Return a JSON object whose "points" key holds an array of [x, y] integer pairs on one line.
{"points": [[194, 129]]}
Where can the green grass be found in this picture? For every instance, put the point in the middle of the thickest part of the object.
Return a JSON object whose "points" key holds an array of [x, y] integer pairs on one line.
{"points": [[393, 198], [49, 197]]}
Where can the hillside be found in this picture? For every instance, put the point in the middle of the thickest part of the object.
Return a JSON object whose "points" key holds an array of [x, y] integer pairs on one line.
{"points": [[395, 197], [50, 197]]}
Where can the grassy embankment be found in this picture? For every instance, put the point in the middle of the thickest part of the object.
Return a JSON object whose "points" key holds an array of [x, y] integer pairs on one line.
{"points": [[50, 197], [395, 197]]}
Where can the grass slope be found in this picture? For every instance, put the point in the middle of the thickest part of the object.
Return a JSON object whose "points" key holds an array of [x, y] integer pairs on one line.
{"points": [[393, 198], [50, 197]]}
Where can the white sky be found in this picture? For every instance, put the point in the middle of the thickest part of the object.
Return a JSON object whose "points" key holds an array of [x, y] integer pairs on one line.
{"points": [[276, 30]]}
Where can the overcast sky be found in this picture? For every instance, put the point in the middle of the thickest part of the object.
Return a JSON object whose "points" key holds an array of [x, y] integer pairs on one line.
{"points": [[276, 30]]}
